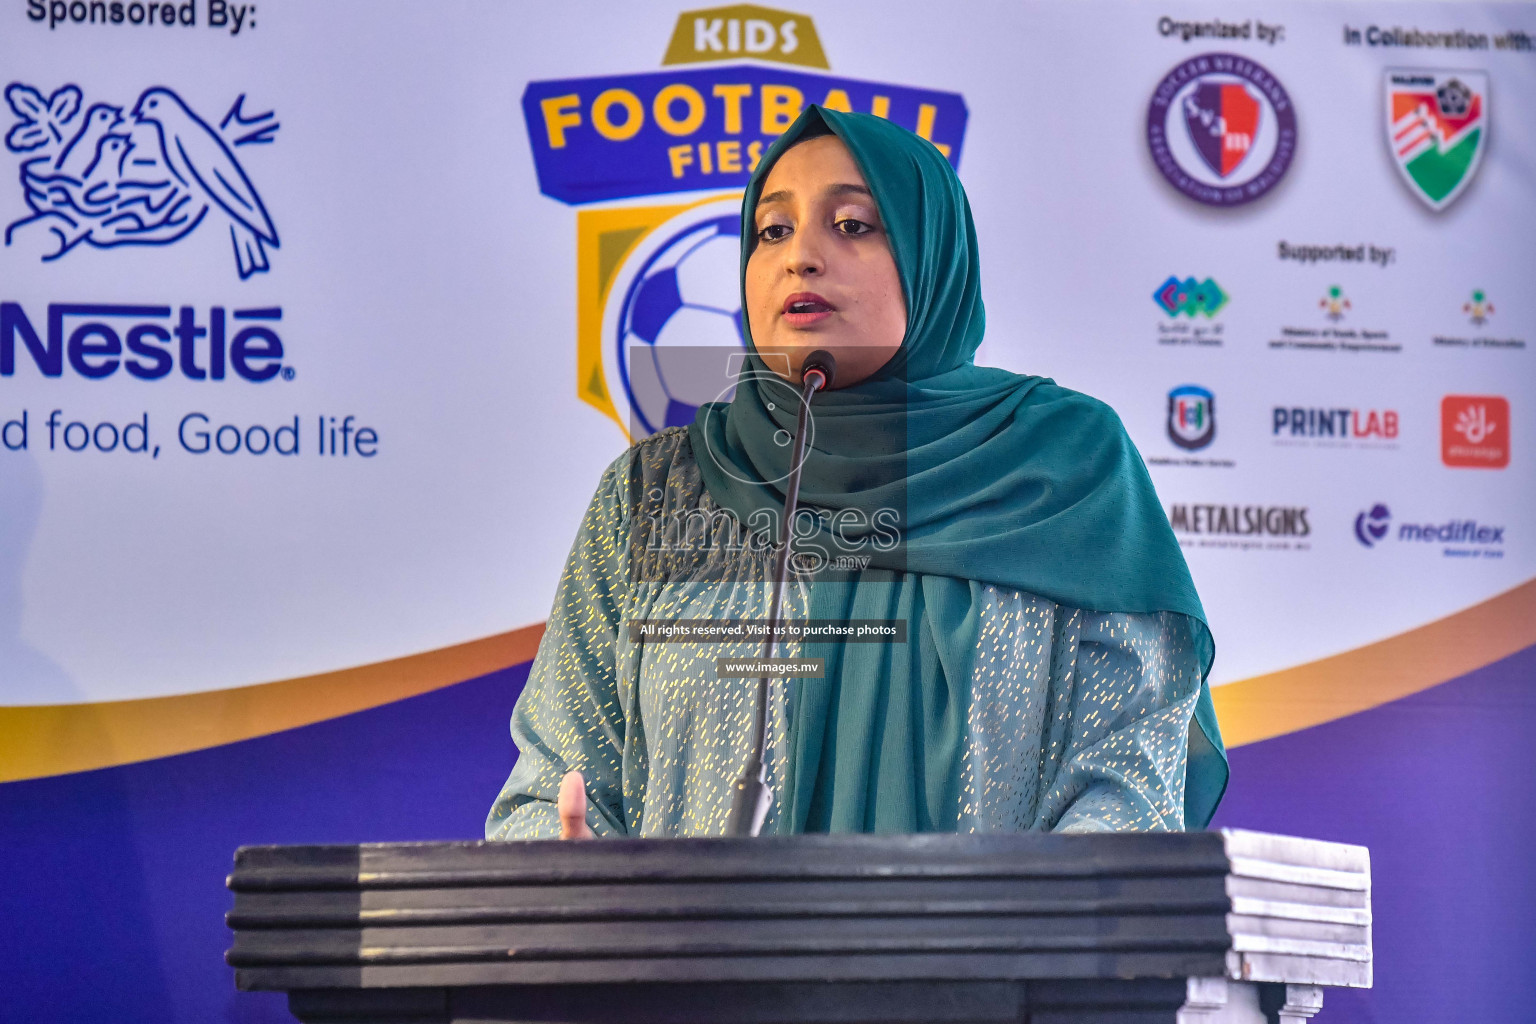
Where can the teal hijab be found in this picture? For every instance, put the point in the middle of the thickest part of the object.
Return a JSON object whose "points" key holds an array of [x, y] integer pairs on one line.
{"points": [[979, 475]]}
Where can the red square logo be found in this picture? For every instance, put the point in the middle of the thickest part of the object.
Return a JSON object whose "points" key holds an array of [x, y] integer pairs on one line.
{"points": [[1474, 431]]}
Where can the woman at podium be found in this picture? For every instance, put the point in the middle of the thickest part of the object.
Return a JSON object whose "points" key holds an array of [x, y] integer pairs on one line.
{"points": [[1053, 673]]}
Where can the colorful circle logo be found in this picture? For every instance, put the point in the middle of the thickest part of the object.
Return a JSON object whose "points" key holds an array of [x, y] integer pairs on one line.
{"points": [[1221, 129]]}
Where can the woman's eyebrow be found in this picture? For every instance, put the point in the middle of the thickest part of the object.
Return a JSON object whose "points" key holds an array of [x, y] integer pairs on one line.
{"points": [[832, 192]]}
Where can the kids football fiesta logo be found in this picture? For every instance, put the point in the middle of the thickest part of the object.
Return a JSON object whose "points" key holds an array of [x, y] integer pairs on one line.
{"points": [[658, 292], [1437, 125]]}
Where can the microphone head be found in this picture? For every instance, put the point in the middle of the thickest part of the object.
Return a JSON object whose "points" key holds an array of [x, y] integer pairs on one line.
{"points": [[819, 361]]}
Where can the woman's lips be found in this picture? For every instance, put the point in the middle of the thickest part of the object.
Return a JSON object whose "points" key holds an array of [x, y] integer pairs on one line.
{"points": [[803, 309]]}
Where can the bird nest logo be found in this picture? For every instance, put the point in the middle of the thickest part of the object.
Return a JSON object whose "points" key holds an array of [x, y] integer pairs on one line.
{"points": [[148, 177], [658, 317]]}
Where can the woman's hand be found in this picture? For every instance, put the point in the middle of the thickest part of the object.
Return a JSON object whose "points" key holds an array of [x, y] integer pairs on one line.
{"points": [[573, 808]]}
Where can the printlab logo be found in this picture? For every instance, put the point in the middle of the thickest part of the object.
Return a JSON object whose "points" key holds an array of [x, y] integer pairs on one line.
{"points": [[1334, 304], [1191, 417], [1474, 431], [1335, 426], [151, 177], [1478, 308], [1221, 129], [1371, 526], [657, 283], [1189, 297], [1436, 125]]}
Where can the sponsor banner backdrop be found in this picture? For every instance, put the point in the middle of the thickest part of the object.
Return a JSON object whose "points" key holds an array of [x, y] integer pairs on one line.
{"points": [[318, 326]]}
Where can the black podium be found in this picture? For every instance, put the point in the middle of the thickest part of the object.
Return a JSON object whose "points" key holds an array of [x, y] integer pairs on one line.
{"points": [[1200, 928]]}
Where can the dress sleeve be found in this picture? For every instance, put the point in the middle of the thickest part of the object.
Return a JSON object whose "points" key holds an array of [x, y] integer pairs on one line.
{"points": [[1125, 688], [569, 716]]}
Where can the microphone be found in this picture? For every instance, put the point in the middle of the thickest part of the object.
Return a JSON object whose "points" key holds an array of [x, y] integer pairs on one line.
{"points": [[752, 797], [818, 362]]}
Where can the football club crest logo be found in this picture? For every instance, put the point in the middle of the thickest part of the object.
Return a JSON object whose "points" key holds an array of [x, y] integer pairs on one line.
{"points": [[1191, 417], [1437, 127], [1221, 129]]}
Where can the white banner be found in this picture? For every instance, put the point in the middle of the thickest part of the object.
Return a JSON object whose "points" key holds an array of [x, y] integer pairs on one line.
{"points": [[313, 322]]}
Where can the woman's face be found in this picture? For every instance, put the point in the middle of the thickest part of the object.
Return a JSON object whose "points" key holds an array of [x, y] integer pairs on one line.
{"points": [[822, 274]]}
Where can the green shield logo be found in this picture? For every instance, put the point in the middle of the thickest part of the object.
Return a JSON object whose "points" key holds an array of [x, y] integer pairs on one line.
{"points": [[1437, 128]]}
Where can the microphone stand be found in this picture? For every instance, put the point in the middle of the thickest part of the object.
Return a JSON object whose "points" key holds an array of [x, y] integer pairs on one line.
{"points": [[752, 797]]}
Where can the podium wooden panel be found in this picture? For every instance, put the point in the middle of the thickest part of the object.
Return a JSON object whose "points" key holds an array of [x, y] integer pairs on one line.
{"points": [[1193, 928]]}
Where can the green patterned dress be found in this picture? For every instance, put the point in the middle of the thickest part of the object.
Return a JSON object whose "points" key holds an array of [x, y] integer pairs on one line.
{"points": [[1076, 720]]}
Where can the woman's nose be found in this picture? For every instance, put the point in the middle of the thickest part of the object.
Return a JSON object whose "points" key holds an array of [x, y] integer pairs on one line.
{"points": [[805, 254]]}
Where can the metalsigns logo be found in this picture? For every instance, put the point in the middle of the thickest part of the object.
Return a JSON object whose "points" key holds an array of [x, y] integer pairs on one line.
{"points": [[1474, 431], [1437, 128], [148, 178], [1241, 527], [1189, 297], [1221, 129], [658, 283], [1191, 417]]}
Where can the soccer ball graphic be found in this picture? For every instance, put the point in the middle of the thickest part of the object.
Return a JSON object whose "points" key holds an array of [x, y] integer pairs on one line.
{"points": [[680, 318], [1454, 98]]}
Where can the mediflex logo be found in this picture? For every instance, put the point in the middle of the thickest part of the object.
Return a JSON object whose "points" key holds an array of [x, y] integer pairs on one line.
{"points": [[1373, 527], [96, 341]]}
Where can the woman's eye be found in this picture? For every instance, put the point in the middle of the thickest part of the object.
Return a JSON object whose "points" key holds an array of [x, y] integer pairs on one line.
{"points": [[772, 233], [849, 226]]}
